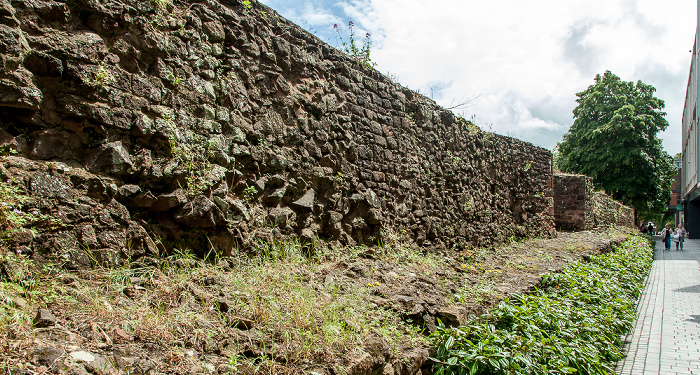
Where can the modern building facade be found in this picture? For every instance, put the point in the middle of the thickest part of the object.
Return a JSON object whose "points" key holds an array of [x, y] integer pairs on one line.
{"points": [[675, 206], [690, 186]]}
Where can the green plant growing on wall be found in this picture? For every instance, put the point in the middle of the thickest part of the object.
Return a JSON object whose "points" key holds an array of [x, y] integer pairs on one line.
{"points": [[247, 6], [249, 193], [193, 156], [101, 78], [14, 216], [352, 47]]}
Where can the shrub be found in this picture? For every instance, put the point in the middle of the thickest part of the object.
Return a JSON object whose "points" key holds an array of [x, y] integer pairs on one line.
{"points": [[573, 324]]}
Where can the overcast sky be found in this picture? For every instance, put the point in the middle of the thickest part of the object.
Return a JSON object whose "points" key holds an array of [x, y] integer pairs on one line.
{"points": [[523, 61]]}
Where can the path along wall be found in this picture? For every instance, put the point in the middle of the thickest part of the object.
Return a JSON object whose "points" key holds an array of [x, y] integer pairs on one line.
{"points": [[210, 125], [578, 207]]}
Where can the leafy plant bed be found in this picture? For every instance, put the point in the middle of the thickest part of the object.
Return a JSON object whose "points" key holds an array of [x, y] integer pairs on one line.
{"points": [[572, 324]]}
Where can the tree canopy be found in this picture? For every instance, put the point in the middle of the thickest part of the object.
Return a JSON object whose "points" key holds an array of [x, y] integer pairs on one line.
{"points": [[614, 140]]}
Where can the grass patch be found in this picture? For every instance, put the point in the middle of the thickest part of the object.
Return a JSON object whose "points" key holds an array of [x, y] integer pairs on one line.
{"points": [[299, 307]]}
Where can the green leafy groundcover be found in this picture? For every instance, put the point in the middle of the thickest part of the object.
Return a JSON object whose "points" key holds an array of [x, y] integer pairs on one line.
{"points": [[572, 325]]}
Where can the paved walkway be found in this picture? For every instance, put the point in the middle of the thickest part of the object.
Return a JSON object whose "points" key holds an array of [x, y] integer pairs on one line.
{"points": [[666, 335]]}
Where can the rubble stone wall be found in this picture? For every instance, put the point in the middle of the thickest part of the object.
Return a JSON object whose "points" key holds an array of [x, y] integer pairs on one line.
{"points": [[578, 207], [209, 125], [611, 212]]}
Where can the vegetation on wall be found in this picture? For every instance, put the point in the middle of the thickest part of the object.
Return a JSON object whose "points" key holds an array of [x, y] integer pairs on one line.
{"points": [[352, 47]]}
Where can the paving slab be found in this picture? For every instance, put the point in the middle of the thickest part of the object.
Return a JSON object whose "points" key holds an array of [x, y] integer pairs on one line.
{"points": [[666, 335]]}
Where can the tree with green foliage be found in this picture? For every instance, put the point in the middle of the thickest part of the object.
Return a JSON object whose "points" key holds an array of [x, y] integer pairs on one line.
{"points": [[614, 141]]}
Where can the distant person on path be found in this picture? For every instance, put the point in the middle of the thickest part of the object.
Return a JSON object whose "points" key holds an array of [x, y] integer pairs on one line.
{"points": [[666, 236], [680, 236], [643, 228], [650, 228]]}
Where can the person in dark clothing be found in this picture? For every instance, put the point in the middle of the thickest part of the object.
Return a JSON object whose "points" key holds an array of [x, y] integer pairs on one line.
{"points": [[666, 237], [650, 228], [643, 228]]}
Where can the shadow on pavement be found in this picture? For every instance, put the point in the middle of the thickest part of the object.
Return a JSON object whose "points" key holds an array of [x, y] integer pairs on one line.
{"points": [[689, 289]]}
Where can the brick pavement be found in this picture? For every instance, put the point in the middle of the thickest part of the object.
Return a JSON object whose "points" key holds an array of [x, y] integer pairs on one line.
{"points": [[666, 336]]}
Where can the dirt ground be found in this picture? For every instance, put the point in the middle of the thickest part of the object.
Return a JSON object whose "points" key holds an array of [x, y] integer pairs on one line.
{"points": [[295, 310]]}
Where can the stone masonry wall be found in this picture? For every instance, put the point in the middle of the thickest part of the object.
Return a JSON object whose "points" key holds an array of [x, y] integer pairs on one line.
{"points": [[578, 207], [573, 207], [611, 212], [210, 125]]}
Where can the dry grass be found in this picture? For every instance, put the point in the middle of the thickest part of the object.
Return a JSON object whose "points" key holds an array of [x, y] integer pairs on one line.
{"points": [[303, 310]]}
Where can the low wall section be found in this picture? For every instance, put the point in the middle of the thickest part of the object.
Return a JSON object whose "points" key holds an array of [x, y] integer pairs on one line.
{"points": [[578, 207]]}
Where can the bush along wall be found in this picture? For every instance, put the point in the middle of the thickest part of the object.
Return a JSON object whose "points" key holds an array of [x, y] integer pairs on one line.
{"points": [[573, 324]]}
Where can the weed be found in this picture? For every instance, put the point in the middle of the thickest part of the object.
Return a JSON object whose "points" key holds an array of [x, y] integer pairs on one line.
{"points": [[352, 48], [192, 154], [247, 5], [250, 193], [101, 78], [174, 80]]}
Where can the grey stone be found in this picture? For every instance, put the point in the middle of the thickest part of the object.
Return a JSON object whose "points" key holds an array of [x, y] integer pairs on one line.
{"points": [[50, 144], [282, 216], [111, 158], [44, 318], [200, 212], [306, 202], [239, 207], [45, 356], [49, 186], [171, 200], [88, 236], [126, 191], [118, 211], [274, 198]]}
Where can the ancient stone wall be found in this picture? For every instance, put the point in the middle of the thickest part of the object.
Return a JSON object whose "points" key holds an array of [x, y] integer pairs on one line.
{"points": [[573, 207], [578, 207], [611, 212], [210, 125]]}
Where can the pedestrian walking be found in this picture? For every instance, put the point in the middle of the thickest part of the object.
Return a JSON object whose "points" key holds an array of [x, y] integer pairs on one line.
{"points": [[680, 236], [666, 236], [643, 228], [650, 228]]}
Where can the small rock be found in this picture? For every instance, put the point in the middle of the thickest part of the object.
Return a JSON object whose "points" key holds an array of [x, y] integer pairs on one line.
{"points": [[121, 335], [111, 158], [45, 356], [200, 212], [22, 237], [19, 303], [223, 264], [282, 216], [452, 315], [167, 201], [44, 318], [49, 186], [83, 356], [126, 191]]}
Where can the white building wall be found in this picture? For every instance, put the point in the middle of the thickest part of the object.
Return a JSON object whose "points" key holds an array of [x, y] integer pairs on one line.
{"points": [[691, 146], [689, 141]]}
